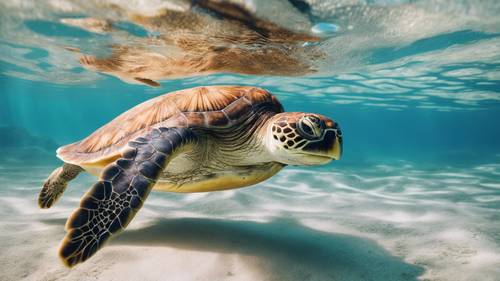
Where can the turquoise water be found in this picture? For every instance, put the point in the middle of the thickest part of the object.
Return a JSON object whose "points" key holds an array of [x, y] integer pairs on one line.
{"points": [[415, 86]]}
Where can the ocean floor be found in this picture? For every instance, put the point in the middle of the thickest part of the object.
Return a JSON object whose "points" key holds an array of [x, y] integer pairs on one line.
{"points": [[382, 222]]}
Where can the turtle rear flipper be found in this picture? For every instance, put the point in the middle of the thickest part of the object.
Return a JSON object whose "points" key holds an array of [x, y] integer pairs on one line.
{"points": [[114, 200], [56, 183]]}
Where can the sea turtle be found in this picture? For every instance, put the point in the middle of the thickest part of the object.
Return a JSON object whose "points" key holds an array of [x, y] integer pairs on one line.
{"points": [[193, 140]]}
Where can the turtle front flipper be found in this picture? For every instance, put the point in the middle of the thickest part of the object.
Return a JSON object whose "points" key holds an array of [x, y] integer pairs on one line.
{"points": [[114, 200]]}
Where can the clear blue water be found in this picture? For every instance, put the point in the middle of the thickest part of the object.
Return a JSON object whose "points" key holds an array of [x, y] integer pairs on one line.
{"points": [[415, 86]]}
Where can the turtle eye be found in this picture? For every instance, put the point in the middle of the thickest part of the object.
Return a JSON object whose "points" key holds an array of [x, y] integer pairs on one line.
{"points": [[310, 127]]}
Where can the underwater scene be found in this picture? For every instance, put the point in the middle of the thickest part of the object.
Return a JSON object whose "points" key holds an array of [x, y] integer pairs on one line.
{"points": [[391, 172]]}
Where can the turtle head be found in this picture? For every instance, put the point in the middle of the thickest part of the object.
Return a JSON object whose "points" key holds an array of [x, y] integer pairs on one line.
{"points": [[297, 138]]}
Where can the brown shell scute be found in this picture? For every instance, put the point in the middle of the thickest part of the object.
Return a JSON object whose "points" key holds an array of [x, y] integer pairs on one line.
{"points": [[217, 119], [236, 109], [195, 119], [211, 106]]}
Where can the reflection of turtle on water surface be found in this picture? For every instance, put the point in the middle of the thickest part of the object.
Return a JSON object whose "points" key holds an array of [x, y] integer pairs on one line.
{"points": [[212, 37], [194, 140]]}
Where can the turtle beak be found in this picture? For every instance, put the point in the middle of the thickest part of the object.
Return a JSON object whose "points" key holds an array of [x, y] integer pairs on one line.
{"points": [[328, 149], [335, 152]]}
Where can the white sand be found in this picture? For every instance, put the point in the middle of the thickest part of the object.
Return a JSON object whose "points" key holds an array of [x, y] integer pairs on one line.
{"points": [[388, 223]]}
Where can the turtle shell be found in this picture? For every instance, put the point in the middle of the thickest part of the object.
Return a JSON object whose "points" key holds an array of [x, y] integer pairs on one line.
{"points": [[202, 107]]}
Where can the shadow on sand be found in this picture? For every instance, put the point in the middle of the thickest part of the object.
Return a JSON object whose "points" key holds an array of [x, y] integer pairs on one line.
{"points": [[284, 249]]}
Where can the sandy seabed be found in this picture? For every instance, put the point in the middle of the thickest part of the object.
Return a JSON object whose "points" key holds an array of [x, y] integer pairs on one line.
{"points": [[386, 222]]}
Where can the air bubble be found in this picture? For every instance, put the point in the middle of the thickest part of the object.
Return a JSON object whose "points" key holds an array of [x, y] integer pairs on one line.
{"points": [[325, 29]]}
